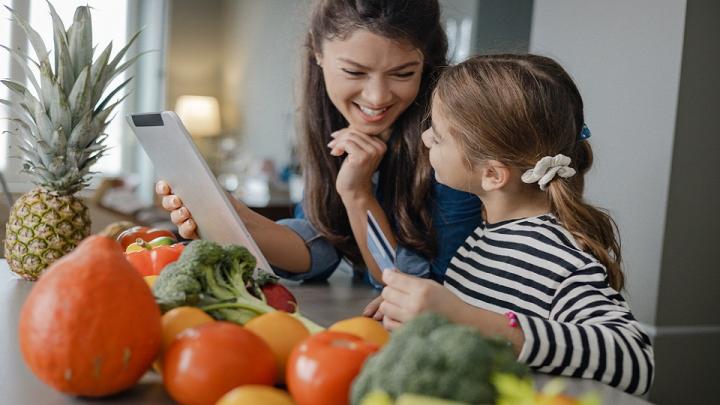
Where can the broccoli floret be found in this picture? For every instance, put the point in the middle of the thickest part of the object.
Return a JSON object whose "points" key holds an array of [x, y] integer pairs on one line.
{"points": [[431, 356], [214, 278], [177, 285]]}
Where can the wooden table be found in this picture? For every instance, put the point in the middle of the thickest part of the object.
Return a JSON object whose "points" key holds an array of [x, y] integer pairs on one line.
{"points": [[341, 297]]}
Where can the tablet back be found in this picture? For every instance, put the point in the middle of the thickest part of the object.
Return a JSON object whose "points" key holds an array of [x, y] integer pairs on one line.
{"points": [[178, 162]]}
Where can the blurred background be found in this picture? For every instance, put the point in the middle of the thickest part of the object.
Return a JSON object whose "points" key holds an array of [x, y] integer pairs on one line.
{"points": [[647, 70]]}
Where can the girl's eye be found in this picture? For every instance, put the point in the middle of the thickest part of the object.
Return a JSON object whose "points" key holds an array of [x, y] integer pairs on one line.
{"points": [[353, 72], [404, 75]]}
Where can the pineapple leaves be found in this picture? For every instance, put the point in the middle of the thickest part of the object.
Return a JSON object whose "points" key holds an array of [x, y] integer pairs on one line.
{"points": [[111, 94], [61, 124], [97, 71], [33, 36], [21, 59], [80, 95], [80, 39], [63, 64]]}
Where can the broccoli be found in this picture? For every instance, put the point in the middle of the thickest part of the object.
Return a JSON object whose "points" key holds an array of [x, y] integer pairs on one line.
{"points": [[431, 356], [215, 279]]}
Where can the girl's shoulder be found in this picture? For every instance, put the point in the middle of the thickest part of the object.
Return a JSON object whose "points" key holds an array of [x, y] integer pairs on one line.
{"points": [[544, 233]]}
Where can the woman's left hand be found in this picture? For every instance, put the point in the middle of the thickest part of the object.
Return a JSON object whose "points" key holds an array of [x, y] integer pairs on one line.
{"points": [[406, 297], [364, 155]]}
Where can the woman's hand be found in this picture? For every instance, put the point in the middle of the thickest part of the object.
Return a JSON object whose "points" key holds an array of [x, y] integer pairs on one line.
{"points": [[179, 214], [364, 155], [372, 310], [406, 296]]}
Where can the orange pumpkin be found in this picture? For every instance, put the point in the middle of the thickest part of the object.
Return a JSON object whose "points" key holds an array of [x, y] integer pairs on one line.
{"points": [[90, 326]]}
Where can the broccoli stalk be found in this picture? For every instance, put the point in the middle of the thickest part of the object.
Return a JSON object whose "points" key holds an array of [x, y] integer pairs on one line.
{"points": [[214, 279]]}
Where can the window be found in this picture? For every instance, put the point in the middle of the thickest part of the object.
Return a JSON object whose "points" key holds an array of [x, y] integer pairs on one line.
{"points": [[4, 72], [109, 24]]}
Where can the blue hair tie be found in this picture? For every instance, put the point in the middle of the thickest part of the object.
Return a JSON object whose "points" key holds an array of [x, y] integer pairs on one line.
{"points": [[584, 133]]}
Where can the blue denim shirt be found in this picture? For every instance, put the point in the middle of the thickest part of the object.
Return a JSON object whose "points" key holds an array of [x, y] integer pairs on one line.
{"points": [[455, 215]]}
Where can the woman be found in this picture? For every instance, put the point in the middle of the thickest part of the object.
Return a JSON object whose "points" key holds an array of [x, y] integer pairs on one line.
{"points": [[368, 72]]}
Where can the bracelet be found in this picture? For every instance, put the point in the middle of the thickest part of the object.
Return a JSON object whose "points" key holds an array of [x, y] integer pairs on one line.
{"points": [[512, 319]]}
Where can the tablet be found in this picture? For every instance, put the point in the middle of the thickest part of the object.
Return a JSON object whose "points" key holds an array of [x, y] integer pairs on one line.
{"points": [[178, 161]]}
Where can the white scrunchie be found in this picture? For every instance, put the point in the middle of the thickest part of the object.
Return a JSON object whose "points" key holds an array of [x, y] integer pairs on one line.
{"points": [[546, 169]]}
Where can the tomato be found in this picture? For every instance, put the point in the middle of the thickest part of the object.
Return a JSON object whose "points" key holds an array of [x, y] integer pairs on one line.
{"points": [[322, 368], [150, 262], [141, 232], [207, 361]]}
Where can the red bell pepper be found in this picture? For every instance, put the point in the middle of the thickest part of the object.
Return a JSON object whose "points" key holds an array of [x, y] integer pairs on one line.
{"points": [[150, 262]]}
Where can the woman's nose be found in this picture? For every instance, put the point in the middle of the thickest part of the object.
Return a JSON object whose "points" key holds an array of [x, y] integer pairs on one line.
{"points": [[377, 92]]}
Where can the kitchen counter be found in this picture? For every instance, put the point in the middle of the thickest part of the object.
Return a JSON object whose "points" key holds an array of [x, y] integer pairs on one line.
{"points": [[341, 297]]}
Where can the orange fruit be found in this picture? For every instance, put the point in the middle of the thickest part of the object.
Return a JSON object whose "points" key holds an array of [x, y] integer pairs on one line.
{"points": [[176, 320], [256, 394], [366, 328], [281, 332]]}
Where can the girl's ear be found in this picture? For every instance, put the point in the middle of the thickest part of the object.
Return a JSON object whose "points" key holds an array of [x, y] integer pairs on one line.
{"points": [[494, 175], [318, 59]]}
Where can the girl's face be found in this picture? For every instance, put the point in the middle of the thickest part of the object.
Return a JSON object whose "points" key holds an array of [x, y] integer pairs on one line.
{"points": [[446, 155], [370, 79]]}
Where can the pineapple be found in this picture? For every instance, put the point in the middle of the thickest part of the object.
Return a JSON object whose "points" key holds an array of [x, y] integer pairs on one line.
{"points": [[61, 127]]}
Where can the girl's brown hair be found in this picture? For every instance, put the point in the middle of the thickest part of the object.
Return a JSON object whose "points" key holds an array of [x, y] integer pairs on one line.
{"points": [[405, 172], [517, 109]]}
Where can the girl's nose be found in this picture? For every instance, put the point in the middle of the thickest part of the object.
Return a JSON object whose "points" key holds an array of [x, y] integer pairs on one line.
{"points": [[377, 92]]}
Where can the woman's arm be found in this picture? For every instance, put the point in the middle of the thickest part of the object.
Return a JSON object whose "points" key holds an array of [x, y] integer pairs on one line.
{"points": [[354, 184], [281, 246]]}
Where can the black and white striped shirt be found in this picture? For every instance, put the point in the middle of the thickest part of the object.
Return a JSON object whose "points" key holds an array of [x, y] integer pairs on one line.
{"points": [[574, 323]]}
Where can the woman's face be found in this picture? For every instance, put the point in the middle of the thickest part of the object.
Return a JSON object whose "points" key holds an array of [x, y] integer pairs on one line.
{"points": [[370, 79]]}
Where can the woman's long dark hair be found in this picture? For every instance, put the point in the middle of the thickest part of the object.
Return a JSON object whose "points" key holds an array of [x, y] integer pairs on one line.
{"points": [[405, 171]]}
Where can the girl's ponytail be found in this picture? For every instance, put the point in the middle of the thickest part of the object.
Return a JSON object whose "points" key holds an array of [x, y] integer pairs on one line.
{"points": [[593, 229]]}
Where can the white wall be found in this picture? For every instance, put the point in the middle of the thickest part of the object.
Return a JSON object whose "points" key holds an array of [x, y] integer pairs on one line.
{"points": [[625, 57], [262, 43]]}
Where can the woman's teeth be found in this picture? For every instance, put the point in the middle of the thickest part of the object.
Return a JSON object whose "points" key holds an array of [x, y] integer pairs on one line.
{"points": [[371, 112]]}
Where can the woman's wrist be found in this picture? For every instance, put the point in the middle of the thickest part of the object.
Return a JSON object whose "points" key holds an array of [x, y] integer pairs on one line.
{"points": [[356, 198]]}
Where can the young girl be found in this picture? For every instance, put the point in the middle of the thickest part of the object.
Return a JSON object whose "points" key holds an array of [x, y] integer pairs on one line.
{"points": [[543, 269]]}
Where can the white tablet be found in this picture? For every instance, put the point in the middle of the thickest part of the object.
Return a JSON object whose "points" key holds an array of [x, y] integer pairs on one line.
{"points": [[178, 161]]}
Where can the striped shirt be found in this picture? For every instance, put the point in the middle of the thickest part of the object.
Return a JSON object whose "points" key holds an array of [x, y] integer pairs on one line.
{"points": [[574, 323]]}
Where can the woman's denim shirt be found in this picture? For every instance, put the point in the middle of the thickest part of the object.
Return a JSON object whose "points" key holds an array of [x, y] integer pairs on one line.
{"points": [[455, 215]]}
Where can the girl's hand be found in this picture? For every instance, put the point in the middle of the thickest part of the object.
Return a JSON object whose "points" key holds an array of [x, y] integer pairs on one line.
{"points": [[364, 155], [179, 214], [406, 297], [372, 310]]}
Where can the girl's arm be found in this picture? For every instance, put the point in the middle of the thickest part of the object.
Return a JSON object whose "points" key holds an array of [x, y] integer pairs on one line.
{"points": [[590, 333], [406, 296]]}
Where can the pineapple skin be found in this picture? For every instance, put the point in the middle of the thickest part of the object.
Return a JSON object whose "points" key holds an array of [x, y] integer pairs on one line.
{"points": [[43, 227]]}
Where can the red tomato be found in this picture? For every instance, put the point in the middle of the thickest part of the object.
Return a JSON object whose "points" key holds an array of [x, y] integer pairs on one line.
{"points": [[141, 232], [205, 362], [322, 368]]}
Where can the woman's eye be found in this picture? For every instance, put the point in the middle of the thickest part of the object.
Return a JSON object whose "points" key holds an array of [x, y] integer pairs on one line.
{"points": [[404, 75], [352, 72]]}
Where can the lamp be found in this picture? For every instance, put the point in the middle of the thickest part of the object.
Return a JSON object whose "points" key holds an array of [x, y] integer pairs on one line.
{"points": [[200, 114]]}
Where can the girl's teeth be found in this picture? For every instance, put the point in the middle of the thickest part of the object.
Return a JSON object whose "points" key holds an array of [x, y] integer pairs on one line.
{"points": [[371, 112]]}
